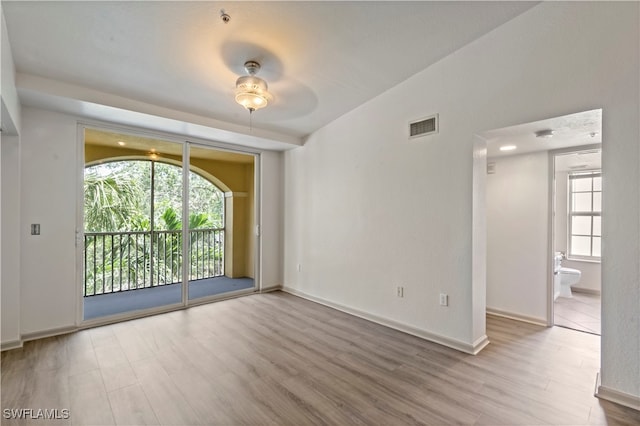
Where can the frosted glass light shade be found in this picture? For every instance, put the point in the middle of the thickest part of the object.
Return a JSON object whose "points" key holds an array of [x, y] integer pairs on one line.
{"points": [[252, 93]]}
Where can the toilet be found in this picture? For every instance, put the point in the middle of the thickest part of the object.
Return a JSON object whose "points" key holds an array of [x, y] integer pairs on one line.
{"points": [[564, 278]]}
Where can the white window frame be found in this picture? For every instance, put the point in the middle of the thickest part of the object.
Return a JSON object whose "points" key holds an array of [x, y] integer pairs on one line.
{"points": [[592, 214]]}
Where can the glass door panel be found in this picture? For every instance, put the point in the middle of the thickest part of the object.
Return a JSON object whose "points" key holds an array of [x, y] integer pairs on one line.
{"points": [[130, 258], [220, 222], [166, 256]]}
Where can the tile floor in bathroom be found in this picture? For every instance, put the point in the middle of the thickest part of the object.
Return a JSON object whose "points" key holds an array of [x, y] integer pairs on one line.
{"points": [[580, 312]]}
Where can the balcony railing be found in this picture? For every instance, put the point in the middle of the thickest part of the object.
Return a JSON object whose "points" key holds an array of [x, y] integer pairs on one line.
{"points": [[121, 261]]}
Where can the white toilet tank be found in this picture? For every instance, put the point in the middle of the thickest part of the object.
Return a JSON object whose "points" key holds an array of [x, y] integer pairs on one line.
{"points": [[557, 264]]}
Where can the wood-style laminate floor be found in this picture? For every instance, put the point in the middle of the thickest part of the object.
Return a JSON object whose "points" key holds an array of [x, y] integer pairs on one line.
{"points": [[580, 312], [275, 359]]}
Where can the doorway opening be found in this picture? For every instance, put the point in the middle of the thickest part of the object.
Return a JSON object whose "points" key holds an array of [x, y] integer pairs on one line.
{"points": [[519, 189], [165, 224], [577, 235]]}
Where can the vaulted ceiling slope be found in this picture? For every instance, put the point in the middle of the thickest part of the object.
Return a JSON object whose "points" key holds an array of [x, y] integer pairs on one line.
{"points": [[321, 59]]}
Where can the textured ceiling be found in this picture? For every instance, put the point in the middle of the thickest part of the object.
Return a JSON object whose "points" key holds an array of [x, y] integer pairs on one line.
{"points": [[579, 129], [321, 59]]}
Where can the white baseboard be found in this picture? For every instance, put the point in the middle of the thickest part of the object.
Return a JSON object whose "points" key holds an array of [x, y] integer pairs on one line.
{"points": [[617, 397], [480, 344], [48, 333], [472, 349], [270, 289], [585, 290], [11, 344], [518, 317]]}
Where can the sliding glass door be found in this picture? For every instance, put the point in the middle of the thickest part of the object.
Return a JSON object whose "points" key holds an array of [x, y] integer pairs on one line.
{"points": [[159, 231]]}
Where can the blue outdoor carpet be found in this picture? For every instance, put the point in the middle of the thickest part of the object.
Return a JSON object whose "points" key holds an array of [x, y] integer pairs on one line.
{"points": [[133, 300]]}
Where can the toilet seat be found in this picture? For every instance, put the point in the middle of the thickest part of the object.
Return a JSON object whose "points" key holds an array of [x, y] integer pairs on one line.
{"points": [[569, 271]]}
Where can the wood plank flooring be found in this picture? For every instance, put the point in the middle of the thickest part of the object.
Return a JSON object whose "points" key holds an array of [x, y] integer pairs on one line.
{"points": [[275, 359], [580, 312]]}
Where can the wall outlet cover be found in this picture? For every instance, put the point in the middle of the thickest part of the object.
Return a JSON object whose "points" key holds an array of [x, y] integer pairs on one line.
{"points": [[444, 299]]}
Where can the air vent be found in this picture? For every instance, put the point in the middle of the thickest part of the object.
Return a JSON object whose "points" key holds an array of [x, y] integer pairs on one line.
{"points": [[491, 168], [423, 127]]}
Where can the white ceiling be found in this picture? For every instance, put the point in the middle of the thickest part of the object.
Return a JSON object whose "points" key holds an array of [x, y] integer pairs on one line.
{"points": [[572, 130], [576, 161], [132, 143], [321, 59]]}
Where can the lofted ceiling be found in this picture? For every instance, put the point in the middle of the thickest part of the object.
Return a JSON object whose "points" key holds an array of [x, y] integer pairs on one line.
{"points": [[320, 59]]}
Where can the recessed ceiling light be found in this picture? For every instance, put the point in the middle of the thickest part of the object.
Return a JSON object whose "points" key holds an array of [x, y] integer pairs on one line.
{"points": [[507, 148], [546, 133], [122, 143]]}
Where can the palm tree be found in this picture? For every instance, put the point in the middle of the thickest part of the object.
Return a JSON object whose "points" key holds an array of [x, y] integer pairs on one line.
{"points": [[112, 202], [168, 245]]}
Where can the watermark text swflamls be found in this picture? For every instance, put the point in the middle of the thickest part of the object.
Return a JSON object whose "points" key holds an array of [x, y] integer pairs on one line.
{"points": [[36, 413]]}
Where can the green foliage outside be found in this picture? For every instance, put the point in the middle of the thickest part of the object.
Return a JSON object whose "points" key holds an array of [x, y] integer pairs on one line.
{"points": [[118, 199]]}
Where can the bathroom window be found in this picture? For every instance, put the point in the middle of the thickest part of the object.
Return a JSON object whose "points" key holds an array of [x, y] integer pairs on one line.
{"points": [[585, 207]]}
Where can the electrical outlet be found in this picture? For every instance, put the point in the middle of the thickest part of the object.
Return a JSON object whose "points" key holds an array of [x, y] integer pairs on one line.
{"points": [[444, 299], [400, 291]]}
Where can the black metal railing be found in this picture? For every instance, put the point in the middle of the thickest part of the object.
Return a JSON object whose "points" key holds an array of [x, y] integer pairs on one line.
{"points": [[121, 261]]}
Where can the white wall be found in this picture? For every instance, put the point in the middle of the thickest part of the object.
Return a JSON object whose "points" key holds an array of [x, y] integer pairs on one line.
{"points": [[4, 336], [561, 211], [10, 122], [49, 185], [517, 236], [10, 104], [271, 217], [591, 272], [365, 209], [10, 247]]}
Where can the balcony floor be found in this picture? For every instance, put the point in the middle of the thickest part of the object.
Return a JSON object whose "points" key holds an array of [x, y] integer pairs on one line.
{"points": [[133, 300]]}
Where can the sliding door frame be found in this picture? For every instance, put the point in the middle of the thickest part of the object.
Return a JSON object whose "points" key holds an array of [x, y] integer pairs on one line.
{"points": [[186, 142]]}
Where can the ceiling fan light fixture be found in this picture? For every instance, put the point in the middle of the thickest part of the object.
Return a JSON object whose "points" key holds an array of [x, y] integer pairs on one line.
{"points": [[251, 91]]}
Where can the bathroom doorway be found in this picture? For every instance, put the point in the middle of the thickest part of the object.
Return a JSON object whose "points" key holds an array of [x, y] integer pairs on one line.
{"points": [[577, 235], [517, 193]]}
